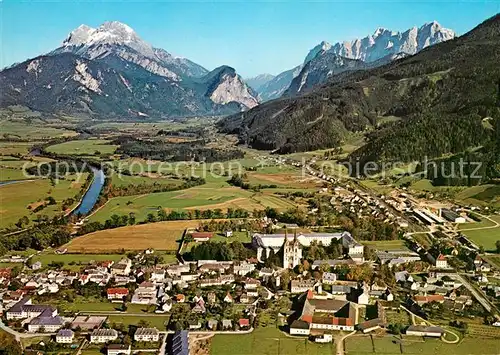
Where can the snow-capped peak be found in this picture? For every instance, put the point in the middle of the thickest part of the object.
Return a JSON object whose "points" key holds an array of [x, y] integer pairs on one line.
{"points": [[384, 42], [112, 32]]}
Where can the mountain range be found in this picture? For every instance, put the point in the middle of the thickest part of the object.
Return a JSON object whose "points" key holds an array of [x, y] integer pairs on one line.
{"points": [[325, 59], [111, 72], [443, 100]]}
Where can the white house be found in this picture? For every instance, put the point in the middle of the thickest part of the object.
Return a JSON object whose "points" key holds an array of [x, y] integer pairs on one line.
{"points": [[65, 336], [301, 286], [441, 262], [329, 278], [147, 334]]}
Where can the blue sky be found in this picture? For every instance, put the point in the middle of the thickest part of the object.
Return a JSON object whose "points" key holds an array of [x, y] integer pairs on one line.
{"points": [[253, 37]]}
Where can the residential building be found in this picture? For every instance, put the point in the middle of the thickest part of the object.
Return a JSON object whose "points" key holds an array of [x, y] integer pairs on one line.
{"points": [[100, 336], [429, 298], [122, 268], [119, 349], [157, 275], [227, 324], [242, 268], [329, 278], [65, 336], [145, 294], [201, 236], [212, 324], [441, 262], [244, 323], [117, 293], [147, 334], [36, 266], [301, 286]]}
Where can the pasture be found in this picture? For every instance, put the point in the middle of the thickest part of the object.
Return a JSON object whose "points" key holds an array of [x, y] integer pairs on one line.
{"points": [[157, 321], [73, 262], [20, 198], [83, 147], [267, 341], [120, 180], [487, 236], [481, 195], [158, 236], [391, 345]]}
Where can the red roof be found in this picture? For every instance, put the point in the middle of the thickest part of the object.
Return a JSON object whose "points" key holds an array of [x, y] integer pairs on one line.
{"points": [[117, 291], [310, 295], [106, 263], [202, 235], [5, 272], [441, 257], [307, 318], [429, 298], [244, 322]]}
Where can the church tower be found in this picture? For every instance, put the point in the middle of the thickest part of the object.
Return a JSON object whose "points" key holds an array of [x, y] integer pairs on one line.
{"points": [[292, 252]]}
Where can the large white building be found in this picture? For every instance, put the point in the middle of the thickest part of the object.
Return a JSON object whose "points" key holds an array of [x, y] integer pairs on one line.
{"points": [[26, 309], [265, 243]]}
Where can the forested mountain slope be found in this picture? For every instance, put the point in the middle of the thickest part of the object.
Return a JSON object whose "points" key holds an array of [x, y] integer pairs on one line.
{"points": [[438, 97]]}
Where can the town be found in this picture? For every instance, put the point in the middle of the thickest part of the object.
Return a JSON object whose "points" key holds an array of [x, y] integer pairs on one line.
{"points": [[321, 286]]}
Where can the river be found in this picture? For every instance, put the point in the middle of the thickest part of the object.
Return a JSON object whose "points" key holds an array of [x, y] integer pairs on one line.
{"points": [[92, 195]]}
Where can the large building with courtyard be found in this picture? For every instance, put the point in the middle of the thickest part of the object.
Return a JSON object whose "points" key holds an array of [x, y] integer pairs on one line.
{"points": [[264, 244]]}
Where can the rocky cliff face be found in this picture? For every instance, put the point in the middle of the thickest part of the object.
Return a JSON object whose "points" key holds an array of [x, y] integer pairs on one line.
{"points": [[384, 42], [225, 86]]}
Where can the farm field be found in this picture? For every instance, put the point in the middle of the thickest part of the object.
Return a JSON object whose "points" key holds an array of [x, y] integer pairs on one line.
{"points": [[19, 196], [417, 345], [11, 174], [159, 236], [9, 148], [12, 168], [480, 195], [266, 341], [150, 128], [194, 198], [83, 147], [35, 130], [483, 237], [120, 180]]}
